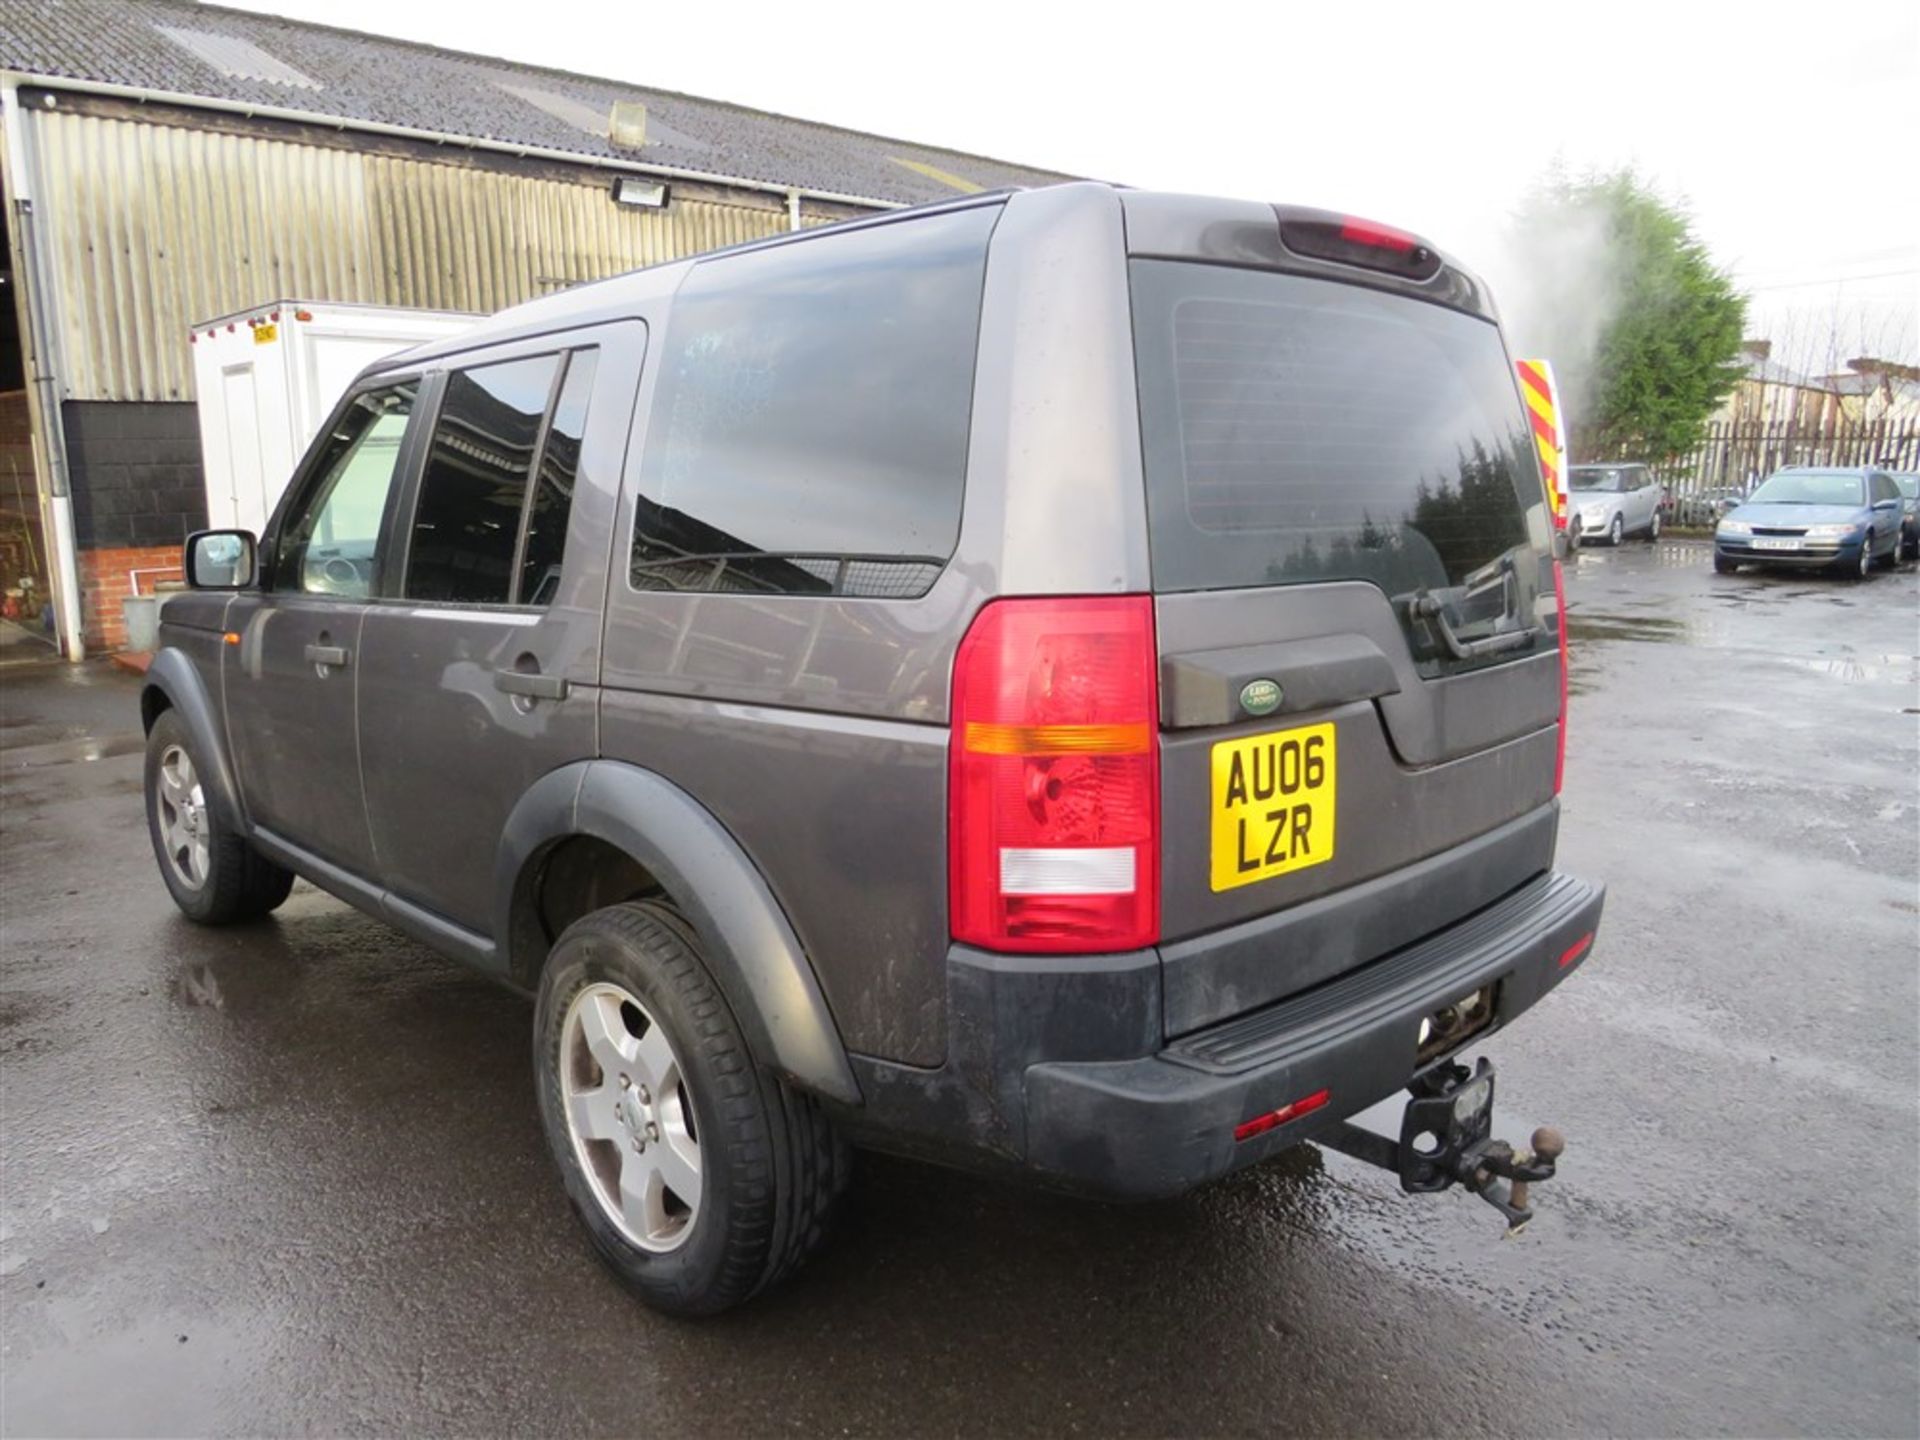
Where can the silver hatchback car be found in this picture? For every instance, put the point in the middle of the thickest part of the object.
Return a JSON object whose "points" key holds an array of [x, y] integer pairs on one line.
{"points": [[1607, 503], [1066, 682]]}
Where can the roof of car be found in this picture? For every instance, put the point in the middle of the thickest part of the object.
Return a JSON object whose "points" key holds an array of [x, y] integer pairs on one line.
{"points": [[611, 299], [190, 49]]}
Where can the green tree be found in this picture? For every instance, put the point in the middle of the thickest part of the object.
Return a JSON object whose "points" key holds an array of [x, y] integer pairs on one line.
{"points": [[1642, 327]]}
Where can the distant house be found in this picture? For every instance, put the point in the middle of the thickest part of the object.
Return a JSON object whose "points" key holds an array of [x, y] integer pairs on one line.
{"points": [[1877, 391], [1771, 394]]}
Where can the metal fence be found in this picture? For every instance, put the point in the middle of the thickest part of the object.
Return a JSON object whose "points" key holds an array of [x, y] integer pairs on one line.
{"points": [[1732, 458]]}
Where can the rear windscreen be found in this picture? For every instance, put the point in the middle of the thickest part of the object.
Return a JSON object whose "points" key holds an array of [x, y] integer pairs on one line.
{"points": [[1302, 430]]}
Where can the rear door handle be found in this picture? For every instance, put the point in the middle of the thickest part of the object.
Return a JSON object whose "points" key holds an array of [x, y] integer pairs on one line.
{"points": [[533, 685], [326, 654]]}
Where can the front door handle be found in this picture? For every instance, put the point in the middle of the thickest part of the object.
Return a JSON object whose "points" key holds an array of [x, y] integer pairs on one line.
{"points": [[335, 655], [532, 684]]}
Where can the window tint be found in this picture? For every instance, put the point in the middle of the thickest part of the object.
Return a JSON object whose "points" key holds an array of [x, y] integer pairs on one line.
{"points": [[466, 523], [327, 542], [1300, 430], [553, 491], [809, 436]]}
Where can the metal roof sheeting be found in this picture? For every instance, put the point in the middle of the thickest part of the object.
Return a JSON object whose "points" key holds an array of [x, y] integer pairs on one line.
{"points": [[150, 228], [390, 82]]}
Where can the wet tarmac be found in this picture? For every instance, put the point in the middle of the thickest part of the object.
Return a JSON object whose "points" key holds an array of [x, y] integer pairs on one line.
{"points": [[288, 1178]]}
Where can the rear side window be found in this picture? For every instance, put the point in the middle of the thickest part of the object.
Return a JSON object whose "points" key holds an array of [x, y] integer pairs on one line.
{"points": [[466, 523], [1302, 430], [809, 434]]}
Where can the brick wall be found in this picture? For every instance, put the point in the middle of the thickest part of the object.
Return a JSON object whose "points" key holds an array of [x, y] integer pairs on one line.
{"points": [[136, 472], [137, 493], [107, 577]]}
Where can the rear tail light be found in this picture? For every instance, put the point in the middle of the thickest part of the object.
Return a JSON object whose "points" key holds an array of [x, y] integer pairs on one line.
{"points": [[1560, 619], [1054, 778], [1321, 235]]}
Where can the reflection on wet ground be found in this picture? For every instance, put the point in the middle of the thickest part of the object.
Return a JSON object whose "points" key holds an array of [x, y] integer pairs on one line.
{"points": [[1772, 634], [288, 1177]]}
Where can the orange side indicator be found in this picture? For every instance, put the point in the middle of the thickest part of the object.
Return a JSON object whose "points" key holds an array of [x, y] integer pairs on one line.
{"points": [[232, 637]]}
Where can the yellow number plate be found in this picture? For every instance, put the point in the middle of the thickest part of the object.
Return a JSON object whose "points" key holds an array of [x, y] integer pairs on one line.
{"points": [[1273, 804]]}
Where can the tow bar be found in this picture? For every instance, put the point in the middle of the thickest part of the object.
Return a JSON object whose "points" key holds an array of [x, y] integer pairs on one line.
{"points": [[1446, 1138]]}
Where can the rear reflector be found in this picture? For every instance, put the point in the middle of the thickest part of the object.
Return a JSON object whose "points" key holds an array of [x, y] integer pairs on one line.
{"points": [[1574, 951], [1320, 235], [1053, 841], [1274, 1119]]}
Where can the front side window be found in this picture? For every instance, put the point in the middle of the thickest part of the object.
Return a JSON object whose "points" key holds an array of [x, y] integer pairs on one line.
{"points": [[466, 523], [328, 543], [810, 432]]}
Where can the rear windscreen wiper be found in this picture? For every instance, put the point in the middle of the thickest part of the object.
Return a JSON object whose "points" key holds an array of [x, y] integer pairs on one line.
{"points": [[1423, 604]]}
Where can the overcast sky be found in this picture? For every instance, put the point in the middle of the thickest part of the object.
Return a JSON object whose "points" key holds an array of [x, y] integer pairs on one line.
{"points": [[1789, 131]]}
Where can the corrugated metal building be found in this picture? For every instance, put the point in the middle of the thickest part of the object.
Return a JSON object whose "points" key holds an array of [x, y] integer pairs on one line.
{"points": [[165, 162]]}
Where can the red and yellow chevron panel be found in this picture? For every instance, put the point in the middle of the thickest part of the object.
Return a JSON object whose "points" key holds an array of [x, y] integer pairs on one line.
{"points": [[1537, 388]]}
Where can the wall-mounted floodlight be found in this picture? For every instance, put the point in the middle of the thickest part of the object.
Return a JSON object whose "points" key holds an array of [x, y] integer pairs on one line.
{"points": [[645, 194]]}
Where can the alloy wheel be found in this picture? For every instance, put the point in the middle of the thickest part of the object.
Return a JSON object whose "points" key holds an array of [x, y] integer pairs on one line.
{"points": [[630, 1117], [182, 805]]}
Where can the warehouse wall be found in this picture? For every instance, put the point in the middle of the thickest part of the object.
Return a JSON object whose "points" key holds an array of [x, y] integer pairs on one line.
{"points": [[151, 220], [152, 227]]}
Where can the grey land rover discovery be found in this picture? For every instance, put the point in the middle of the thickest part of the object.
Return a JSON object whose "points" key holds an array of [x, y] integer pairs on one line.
{"points": [[1068, 681]]}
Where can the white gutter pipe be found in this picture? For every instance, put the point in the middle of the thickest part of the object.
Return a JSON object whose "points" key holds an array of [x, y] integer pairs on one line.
{"points": [[37, 302]]}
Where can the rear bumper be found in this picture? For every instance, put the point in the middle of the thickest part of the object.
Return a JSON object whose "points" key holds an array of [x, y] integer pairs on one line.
{"points": [[1064, 1074]]}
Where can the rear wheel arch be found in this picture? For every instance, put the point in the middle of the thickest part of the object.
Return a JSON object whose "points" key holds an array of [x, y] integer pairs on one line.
{"points": [[599, 833]]}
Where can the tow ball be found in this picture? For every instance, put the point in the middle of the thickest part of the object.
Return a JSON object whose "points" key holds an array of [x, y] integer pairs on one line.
{"points": [[1446, 1138]]}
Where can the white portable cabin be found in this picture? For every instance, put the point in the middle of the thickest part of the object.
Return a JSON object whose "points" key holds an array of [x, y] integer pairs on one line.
{"points": [[268, 377]]}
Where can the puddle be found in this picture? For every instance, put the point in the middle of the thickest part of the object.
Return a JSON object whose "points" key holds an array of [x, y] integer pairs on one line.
{"points": [[1905, 668], [1651, 629], [68, 752]]}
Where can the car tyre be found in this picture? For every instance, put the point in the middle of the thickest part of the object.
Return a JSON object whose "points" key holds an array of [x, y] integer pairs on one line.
{"points": [[212, 871], [1616, 531], [765, 1166], [1653, 529], [1862, 568], [1723, 566]]}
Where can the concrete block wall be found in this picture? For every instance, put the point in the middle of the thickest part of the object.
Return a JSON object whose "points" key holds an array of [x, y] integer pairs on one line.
{"points": [[138, 492]]}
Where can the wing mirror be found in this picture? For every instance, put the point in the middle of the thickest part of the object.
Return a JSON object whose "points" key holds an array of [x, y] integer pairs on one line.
{"points": [[220, 559]]}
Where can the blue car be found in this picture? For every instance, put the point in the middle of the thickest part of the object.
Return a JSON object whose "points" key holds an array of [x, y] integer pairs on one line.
{"points": [[1846, 520]]}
